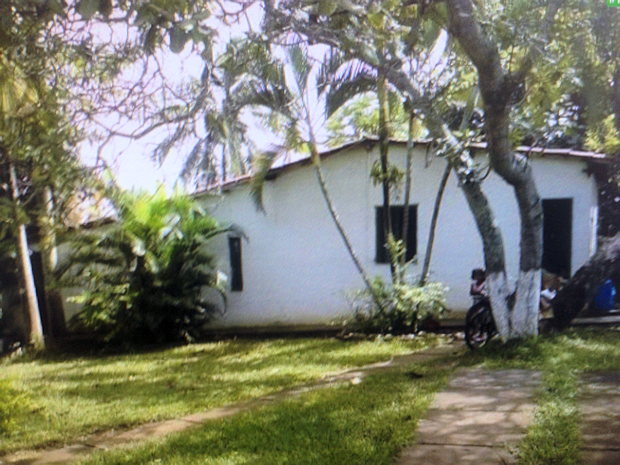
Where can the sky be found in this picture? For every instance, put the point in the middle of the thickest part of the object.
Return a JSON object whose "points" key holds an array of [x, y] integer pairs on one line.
{"points": [[131, 160]]}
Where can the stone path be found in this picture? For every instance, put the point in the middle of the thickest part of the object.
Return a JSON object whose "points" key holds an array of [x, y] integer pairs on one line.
{"points": [[112, 439], [599, 405], [476, 419]]}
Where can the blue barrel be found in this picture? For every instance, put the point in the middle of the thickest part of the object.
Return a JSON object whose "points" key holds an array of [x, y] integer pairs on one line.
{"points": [[605, 298]]}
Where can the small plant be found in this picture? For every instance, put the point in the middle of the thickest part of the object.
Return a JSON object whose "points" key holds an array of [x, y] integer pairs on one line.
{"points": [[396, 308], [403, 307], [12, 405]]}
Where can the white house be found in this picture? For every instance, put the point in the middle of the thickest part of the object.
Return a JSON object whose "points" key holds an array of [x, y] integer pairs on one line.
{"points": [[293, 268]]}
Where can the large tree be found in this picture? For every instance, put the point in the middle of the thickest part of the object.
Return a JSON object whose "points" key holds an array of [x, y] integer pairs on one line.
{"points": [[505, 50], [38, 161], [501, 61]]}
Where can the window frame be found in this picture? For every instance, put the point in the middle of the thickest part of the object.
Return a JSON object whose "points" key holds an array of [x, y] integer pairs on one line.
{"points": [[235, 255], [381, 254]]}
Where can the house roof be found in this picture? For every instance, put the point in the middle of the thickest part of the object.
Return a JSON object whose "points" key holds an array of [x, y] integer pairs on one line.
{"points": [[370, 142]]}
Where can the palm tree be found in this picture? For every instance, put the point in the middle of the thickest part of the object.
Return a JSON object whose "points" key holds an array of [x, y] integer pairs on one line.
{"points": [[347, 80], [289, 105], [146, 274], [344, 80]]}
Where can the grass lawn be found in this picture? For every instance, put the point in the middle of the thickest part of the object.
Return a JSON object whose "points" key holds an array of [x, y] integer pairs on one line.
{"points": [[73, 396], [369, 422], [365, 423]]}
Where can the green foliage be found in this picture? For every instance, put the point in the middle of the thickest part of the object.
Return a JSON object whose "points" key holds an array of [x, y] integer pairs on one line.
{"points": [[360, 118], [399, 307], [145, 276], [394, 175], [404, 307], [605, 137], [13, 403]]}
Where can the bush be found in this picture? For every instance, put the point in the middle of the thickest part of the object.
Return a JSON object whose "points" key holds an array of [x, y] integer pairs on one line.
{"points": [[145, 276], [400, 308], [12, 405]]}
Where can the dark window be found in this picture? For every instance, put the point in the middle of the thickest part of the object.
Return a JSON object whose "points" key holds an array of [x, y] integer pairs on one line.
{"points": [[557, 235], [234, 247], [396, 215]]}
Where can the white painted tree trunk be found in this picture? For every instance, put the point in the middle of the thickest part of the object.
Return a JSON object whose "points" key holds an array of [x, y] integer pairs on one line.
{"points": [[497, 87], [521, 318], [524, 315], [499, 291]]}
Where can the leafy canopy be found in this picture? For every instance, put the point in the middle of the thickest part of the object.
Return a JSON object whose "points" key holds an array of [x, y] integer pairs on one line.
{"points": [[147, 276]]}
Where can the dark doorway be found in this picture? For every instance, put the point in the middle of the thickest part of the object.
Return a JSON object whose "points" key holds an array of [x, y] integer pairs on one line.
{"points": [[557, 236]]}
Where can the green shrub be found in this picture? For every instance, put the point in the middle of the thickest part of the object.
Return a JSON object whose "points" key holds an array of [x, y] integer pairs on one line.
{"points": [[396, 308], [12, 405], [400, 308], [145, 276]]}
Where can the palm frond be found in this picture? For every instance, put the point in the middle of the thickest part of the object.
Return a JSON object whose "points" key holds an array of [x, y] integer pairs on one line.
{"points": [[275, 98], [347, 86], [329, 69], [193, 160], [262, 164], [298, 58]]}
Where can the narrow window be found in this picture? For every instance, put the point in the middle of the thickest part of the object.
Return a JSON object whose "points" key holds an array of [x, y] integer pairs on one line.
{"points": [[234, 247], [396, 217]]}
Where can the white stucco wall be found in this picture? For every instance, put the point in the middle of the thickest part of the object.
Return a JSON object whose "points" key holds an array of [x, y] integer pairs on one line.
{"points": [[297, 271]]}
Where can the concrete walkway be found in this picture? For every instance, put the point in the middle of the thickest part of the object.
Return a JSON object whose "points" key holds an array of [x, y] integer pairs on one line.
{"points": [[599, 405], [112, 439], [476, 419]]}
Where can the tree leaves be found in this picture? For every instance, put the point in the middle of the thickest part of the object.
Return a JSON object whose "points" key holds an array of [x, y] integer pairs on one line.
{"points": [[354, 81], [18, 95], [178, 38], [88, 8], [298, 59], [144, 275]]}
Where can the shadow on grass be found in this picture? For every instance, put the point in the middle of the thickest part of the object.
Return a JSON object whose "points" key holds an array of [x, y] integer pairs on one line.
{"points": [[365, 423], [78, 395]]}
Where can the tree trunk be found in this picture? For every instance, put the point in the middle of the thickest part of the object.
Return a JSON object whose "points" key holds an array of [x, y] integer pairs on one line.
{"points": [[493, 247], [579, 292], [497, 87], [49, 256], [516, 170], [316, 160], [384, 144], [431, 233], [36, 338], [527, 302], [407, 195]]}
